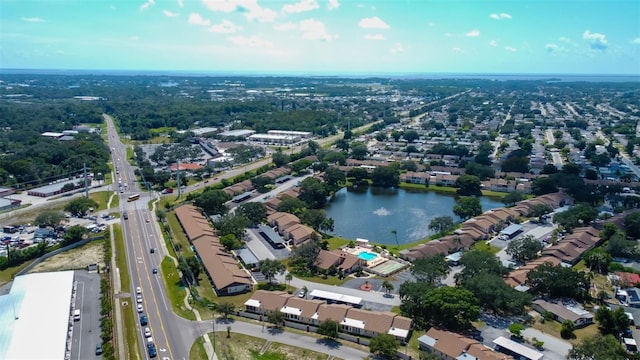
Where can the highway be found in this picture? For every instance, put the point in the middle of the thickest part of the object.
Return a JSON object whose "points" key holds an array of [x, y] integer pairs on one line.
{"points": [[141, 233]]}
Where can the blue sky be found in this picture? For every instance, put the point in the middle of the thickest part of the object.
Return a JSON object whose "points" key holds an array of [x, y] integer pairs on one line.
{"points": [[324, 36]]}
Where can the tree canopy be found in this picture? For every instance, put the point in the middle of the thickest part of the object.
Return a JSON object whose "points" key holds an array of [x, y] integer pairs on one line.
{"points": [[467, 207]]}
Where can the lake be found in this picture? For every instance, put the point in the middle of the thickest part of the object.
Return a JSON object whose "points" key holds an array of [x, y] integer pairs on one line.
{"points": [[372, 213]]}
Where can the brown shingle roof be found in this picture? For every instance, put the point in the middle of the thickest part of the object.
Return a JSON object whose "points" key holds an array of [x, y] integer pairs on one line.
{"points": [[308, 307], [376, 321], [335, 312]]}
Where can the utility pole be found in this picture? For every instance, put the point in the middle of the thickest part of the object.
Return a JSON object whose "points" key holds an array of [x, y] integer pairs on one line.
{"points": [[86, 186]]}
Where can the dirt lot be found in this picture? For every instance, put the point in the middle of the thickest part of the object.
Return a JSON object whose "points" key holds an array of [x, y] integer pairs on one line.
{"points": [[244, 347], [78, 258]]}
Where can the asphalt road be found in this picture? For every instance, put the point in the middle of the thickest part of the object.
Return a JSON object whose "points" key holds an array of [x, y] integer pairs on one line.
{"points": [[86, 332], [141, 233]]}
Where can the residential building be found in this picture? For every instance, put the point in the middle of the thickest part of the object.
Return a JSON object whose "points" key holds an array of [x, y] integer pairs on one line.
{"points": [[451, 346], [562, 312]]}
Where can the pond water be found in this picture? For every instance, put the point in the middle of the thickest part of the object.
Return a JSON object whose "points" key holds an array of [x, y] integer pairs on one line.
{"points": [[373, 213]]}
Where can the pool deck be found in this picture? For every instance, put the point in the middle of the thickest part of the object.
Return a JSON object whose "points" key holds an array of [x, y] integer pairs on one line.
{"points": [[358, 249]]}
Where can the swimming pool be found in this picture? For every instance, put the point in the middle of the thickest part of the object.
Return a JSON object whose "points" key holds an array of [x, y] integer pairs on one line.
{"points": [[367, 256]]}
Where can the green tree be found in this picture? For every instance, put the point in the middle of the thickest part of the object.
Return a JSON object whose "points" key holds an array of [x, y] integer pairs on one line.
{"points": [[276, 318], [538, 210], [359, 150], [612, 322], [598, 347], [384, 345], [410, 136], [452, 308], [632, 225], [314, 193], [262, 183], [80, 206], [271, 268], [212, 201], [317, 219], [73, 235], [385, 176], [441, 224], [516, 329], [49, 218], [328, 328], [291, 205], [543, 185], [287, 278], [256, 212], [334, 177], [232, 224], [225, 309], [467, 207], [479, 262], [494, 294], [430, 270], [279, 158], [512, 198], [468, 185], [230, 242], [412, 293], [387, 286], [358, 174], [598, 260], [566, 331], [558, 281], [192, 266], [524, 248]]}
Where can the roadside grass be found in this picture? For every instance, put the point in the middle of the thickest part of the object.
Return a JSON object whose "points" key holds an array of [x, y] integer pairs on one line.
{"points": [[291, 352], [155, 140], [237, 300], [102, 198], [130, 155], [197, 351], [482, 245], [238, 346], [162, 130], [175, 289], [330, 280], [115, 202], [121, 260], [553, 328], [7, 274], [179, 237], [413, 345], [130, 329]]}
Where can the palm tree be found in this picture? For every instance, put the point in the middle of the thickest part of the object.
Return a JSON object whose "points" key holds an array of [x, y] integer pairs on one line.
{"points": [[387, 286], [288, 278]]}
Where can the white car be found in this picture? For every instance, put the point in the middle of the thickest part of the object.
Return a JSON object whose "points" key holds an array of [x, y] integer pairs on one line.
{"points": [[139, 299], [138, 290], [140, 309], [147, 332]]}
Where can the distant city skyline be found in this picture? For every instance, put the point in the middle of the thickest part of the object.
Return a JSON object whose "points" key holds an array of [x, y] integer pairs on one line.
{"points": [[323, 37]]}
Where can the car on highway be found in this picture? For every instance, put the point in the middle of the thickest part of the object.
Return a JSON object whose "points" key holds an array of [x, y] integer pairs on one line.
{"points": [[125, 216], [138, 290], [155, 270], [146, 220], [99, 349], [140, 308], [144, 320], [139, 299], [151, 348], [152, 250], [147, 332]]}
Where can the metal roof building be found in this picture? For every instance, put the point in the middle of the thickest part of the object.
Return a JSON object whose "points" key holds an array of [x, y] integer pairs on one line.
{"points": [[35, 316]]}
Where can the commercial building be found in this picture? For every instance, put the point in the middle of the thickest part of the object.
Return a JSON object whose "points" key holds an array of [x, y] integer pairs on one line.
{"points": [[274, 139], [56, 188], [35, 317]]}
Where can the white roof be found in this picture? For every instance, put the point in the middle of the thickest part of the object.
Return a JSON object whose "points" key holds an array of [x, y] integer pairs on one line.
{"points": [[359, 324], [335, 296], [252, 302], [629, 341], [403, 333], [518, 348], [36, 311], [291, 310]]}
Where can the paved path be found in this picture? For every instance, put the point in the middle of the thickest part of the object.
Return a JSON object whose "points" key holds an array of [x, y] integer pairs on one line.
{"points": [[554, 348], [289, 338]]}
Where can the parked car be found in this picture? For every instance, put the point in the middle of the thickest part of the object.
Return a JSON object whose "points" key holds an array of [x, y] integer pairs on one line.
{"points": [[144, 320], [147, 332], [99, 349], [140, 308]]}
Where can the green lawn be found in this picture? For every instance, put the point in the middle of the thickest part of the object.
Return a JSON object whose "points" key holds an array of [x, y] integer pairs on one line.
{"points": [[102, 198], [130, 335], [482, 245], [121, 260], [197, 351], [176, 291], [7, 274], [337, 242]]}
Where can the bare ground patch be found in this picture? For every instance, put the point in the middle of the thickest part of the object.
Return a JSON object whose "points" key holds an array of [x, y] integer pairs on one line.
{"points": [[78, 258]]}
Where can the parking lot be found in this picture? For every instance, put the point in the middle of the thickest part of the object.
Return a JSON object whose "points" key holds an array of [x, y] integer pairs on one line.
{"points": [[262, 249], [86, 331]]}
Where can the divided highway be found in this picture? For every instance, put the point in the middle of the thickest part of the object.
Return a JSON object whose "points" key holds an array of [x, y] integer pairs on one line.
{"points": [[141, 234]]}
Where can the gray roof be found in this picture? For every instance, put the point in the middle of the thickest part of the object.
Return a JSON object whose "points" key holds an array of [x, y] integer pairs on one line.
{"points": [[270, 234], [427, 340], [511, 229], [246, 256], [52, 188]]}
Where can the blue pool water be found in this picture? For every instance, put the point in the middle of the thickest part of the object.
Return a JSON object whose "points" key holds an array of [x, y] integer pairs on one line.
{"points": [[367, 256]]}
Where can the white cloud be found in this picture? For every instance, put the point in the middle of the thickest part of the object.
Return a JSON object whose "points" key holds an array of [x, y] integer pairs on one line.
{"points": [[473, 33], [374, 37], [333, 4], [225, 27], [196, 19], [564, 39], [554, 48], [314, 30], [32, 19], [373, 23], [635, 41], [147, 4], [250, 8], [285, 26], [510, 48], [254, 41], [302, 6], [397, 48], [181, 3], [457, 50], [493, 43], [500, 16], [596, 41], [168, 13]]}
